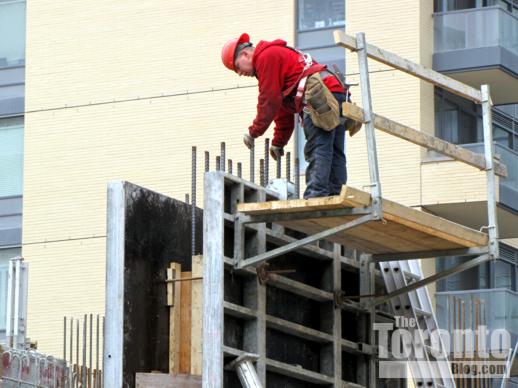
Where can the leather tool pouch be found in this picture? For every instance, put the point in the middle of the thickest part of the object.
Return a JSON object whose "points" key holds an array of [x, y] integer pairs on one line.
{"points": [[322, 105]]}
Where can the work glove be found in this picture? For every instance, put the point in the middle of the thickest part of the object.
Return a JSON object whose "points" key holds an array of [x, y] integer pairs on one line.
{"points": [[248, 140], [276, 152]]}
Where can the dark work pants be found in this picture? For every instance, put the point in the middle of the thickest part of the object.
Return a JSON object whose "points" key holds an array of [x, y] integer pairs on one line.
{"points": [[325, 154]]}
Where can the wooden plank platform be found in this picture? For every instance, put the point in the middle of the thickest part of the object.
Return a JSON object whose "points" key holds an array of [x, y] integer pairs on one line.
{"points": [[403, 229]]}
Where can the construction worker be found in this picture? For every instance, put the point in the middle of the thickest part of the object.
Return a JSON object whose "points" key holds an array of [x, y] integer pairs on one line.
{"points": [[290, 83]]}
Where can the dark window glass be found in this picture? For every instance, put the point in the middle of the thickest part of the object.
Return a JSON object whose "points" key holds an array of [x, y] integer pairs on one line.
{"points": [[314, 14]]}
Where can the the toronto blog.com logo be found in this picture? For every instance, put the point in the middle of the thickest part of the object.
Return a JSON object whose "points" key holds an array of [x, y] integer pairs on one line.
{"points": [[466, 353]]}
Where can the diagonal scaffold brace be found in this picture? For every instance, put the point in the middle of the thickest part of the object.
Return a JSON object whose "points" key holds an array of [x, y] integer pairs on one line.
{"points": [[243, 263]]}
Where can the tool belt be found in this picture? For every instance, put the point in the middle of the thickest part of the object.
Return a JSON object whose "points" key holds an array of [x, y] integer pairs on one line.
{"points": [[321, 105]]}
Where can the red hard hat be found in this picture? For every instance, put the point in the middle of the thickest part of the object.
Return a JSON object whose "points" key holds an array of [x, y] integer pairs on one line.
{"points": [[229, 50]]}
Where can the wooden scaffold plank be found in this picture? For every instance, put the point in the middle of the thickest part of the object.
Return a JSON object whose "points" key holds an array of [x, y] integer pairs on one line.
{"points": [[403, 229], [422, 139]]}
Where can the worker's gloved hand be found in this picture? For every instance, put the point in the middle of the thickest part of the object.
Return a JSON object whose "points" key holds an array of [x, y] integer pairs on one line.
{"points": [[276, 152], [248, 140]]}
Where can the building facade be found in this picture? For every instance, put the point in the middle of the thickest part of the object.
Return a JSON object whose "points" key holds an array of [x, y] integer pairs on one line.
{"points": [[12, 78]]}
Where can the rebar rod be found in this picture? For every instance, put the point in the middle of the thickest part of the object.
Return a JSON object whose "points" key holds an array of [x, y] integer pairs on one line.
{"points": [[266, 160], [101, 380], [71, 346], [65, 339], [193, 200], [97, 353], [239, 169], [297, 177], [83, 367], [252, 162], [218, 158], [288, 166], [207, 161], [279, 166], [261, 172], [223, 159], [230, 166], [90, 352], [187, 198], [77, 343]]}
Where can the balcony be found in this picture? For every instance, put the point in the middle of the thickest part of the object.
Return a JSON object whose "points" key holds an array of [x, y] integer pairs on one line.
{"points": [[479, 46], [495, 308], [464, 200]]}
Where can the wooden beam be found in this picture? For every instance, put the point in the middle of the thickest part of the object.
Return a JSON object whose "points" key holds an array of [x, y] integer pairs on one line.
{"points": [[397, 62], [305, 205], [422, 139], [196, 316], [174, 272], [185, 324]]}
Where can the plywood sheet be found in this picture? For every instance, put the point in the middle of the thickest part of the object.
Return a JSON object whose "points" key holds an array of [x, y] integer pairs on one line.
{"points": [[403, 229]]}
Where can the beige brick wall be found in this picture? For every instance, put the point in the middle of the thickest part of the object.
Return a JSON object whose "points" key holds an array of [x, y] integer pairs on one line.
{"points": [[83, 60], [452, 182], [404, 28]]}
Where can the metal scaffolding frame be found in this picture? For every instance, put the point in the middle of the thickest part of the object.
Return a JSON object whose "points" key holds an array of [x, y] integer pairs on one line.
{"points": [[375, 210], [223, 192]]}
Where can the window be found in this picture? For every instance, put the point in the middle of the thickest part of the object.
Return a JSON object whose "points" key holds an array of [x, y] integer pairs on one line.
{"points": [[457, 120], [501, 273], [314, 14], [12, 31], [5, 255], [11, 156], [460, 121]]}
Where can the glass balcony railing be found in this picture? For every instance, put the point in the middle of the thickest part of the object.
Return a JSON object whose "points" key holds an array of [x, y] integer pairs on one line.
{"points": [[12, 33], [494, 308], [476, 28], [509, 185]]}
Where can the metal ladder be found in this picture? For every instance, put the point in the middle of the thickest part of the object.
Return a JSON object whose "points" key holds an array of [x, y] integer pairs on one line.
{"points": [[428, 361]]}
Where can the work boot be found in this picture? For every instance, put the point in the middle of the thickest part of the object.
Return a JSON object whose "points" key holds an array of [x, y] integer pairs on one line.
{"points": [[352, 126]]}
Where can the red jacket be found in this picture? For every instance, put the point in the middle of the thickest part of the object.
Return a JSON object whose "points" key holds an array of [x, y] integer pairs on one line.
{"points": [[277, 68]]}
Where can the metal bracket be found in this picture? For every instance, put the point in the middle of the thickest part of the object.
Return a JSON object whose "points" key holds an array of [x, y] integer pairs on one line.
{"points": [[300, 243], [245, 370]]}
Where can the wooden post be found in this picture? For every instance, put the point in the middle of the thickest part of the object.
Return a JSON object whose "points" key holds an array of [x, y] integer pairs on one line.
{"points": [[185, 324], [173, 300], [196, 316]]}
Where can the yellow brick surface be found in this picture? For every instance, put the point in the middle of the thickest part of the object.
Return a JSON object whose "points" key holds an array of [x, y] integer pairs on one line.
{"points": [[452, 182], [65, 279], [122, 90], [404, 28]]}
